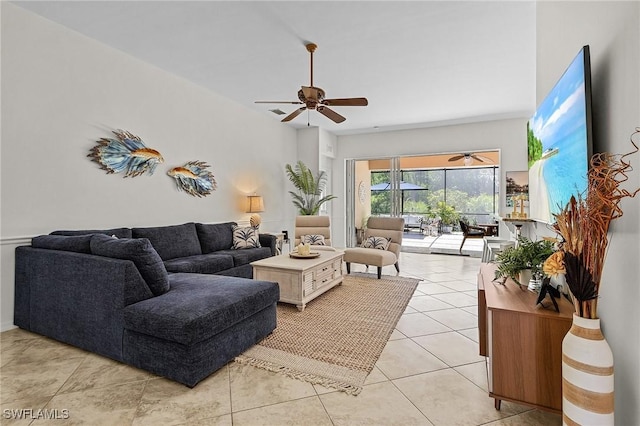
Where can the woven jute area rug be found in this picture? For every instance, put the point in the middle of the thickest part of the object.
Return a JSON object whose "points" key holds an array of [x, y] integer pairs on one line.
{"points": [[339, 336]]}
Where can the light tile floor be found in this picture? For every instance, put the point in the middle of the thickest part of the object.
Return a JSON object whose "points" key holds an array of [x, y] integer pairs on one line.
{"points": [[428, 374]]}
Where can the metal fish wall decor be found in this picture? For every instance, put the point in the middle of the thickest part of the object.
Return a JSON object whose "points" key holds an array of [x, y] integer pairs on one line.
{"points": [[126, 154], [193, 178]]}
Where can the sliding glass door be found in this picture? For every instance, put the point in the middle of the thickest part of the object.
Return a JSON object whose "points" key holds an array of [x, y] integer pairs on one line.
{"points": [[373, 188], [413, 187]]}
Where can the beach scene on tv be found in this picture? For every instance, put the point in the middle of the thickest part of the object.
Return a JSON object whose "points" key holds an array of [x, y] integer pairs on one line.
{"points": [[557, 145]]}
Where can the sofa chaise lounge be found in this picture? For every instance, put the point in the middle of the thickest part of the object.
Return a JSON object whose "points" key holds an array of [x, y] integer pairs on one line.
{"points": [[172, 300]]}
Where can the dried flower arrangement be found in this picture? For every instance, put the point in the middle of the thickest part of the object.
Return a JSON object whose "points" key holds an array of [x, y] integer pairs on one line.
{"points": [[584, 224]]}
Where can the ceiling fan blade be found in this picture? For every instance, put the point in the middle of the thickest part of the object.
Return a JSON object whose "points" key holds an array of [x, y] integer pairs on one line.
{"points": [[294, 114], [279, 102], [330, 114], [346, 102], [480, 158], [456, 157]]}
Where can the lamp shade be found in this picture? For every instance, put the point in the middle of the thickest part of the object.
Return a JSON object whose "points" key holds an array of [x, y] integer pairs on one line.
{"points": [[256, 204]]}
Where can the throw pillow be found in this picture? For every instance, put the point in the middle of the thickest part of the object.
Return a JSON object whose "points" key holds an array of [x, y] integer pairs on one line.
{"points": [[314, 240], [379, 243], [141, 253], [244, 238]]}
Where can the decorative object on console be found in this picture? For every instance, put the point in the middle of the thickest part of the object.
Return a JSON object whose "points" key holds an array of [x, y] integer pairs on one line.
{"points": [[547, 288], [245, 237], [193, 178], [126, 154], [310, 188], [256, 205], [527, 256], [583, 224]]}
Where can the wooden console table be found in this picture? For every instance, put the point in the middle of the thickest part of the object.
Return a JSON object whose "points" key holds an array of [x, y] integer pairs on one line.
{"points": [[522, 342]]}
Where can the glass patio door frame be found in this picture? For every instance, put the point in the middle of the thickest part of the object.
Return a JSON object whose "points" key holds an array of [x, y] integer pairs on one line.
{"points": [[351, 193]]}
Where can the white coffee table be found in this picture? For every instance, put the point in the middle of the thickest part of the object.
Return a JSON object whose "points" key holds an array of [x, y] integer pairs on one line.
{"points": [[301, 280]]}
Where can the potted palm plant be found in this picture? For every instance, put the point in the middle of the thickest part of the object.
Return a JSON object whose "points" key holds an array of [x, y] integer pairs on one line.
{"points": [[309, 198]]}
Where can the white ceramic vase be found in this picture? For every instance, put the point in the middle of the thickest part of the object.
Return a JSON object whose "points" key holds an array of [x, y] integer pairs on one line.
{"points": [[587, 375]]}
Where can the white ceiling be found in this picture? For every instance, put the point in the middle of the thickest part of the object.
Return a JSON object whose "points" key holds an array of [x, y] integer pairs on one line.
{"points": [[419, 63]]}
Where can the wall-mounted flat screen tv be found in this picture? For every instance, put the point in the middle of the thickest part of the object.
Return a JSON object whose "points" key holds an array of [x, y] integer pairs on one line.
{"points": [[559, 139]]}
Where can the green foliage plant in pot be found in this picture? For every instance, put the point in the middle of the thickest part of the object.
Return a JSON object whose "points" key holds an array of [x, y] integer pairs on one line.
{"points": [[448, 215], [528, 256], [309, 198]]}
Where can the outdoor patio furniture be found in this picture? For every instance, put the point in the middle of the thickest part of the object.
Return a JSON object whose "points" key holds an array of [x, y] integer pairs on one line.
{"points": [[412, 221], [470, 231]]}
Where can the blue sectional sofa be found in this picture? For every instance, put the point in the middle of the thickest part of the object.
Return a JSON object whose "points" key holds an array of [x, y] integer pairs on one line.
{"points": [[176, 300]]}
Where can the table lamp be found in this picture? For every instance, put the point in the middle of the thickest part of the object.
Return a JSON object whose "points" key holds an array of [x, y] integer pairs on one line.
{"points": [[256, 205]]}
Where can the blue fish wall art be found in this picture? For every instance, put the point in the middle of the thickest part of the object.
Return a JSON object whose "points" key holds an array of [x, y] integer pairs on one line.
{"points": [[193, 178], [126, 154]]}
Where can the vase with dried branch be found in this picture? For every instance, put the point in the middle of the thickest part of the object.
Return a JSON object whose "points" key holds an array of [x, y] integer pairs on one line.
{"points": [[583, 225]]}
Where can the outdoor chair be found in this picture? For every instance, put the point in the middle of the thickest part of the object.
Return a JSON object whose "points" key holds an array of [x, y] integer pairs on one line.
{"points": [[470, 231], [384, 233]]}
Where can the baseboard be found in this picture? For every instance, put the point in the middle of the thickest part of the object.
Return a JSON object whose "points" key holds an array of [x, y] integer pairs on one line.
{"points": [[7, 326]]}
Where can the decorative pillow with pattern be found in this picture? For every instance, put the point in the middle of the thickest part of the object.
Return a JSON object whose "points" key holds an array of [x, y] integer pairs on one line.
{"points": [[244, 238], [314, 240], [380, 243]]}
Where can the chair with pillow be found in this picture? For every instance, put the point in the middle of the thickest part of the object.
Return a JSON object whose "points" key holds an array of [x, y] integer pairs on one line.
{"points": [[314, 230], [381, 244]]}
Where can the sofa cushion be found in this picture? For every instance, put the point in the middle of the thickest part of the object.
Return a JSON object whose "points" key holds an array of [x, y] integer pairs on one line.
{"points": [[172, 241], [140, 252], [75, 243], [200, 264], [245, 237], [199, 306], [118, 232], [243, 257], [214, 237]]}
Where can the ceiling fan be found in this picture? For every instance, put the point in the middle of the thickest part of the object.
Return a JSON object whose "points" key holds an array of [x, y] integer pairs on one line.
{"points": [[469, 157], [313, 98]]}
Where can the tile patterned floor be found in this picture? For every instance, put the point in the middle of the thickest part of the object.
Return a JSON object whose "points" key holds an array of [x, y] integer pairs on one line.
{"points": [[428, 374]]}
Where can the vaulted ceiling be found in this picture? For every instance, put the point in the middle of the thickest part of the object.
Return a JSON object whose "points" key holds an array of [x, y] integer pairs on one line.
{"points": [[419, 63]]}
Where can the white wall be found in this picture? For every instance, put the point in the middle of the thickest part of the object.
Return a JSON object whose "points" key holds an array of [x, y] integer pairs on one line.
{"points": [[508, 136], [612, 30], [61, 92]]}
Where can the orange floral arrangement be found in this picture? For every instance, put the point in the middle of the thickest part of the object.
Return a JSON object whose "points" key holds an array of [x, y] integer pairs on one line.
{"points": [[583, 225]]}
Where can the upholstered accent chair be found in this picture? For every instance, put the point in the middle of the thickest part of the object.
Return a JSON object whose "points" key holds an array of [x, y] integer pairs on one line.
{"points": [[386, 228], [312, 227]]}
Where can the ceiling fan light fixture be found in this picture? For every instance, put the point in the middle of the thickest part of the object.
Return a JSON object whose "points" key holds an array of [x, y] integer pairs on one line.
{"points": [[313, 98], [468, 161]]}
